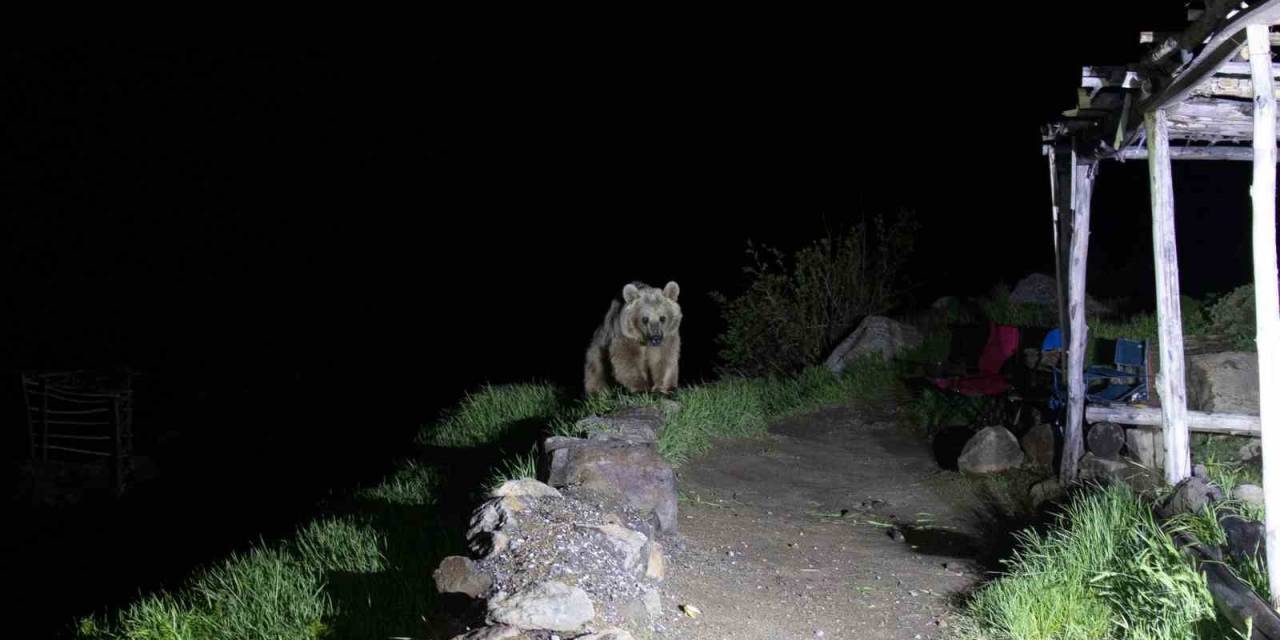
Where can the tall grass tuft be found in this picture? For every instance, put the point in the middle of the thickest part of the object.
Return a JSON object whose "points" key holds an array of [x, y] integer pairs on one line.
{"points": [[486, 416], [1104, 570]]}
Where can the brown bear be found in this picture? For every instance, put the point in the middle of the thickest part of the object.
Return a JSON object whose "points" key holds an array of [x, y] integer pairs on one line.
{"points": [[638, 344]]}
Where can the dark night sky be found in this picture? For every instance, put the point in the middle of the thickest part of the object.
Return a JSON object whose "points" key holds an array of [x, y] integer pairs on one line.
{"points": [[335, 242], [447, 214]]}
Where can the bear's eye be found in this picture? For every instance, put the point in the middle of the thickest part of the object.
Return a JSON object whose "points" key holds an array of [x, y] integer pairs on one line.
{"points": [[645, 319], [662, 319]]}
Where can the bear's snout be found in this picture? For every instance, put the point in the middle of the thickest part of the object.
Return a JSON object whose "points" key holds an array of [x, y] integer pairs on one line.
{"points": [[655, 341]]}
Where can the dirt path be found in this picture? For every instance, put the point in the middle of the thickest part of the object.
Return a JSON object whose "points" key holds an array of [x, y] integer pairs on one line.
{"points": [[769, 556]]}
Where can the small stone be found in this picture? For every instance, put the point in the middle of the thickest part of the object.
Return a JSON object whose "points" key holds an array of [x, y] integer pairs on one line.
{"points": [[487, 545], [1250, 494], [490, 516], [497, 632], [652, 603], [549, 605], [1251, 451], [656, 567], [1040, 444], [458, 574], [1046, 491], [608, 634], [1193, 495]]}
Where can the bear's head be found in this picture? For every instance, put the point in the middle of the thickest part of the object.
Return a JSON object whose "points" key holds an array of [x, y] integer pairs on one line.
{"points": [[649, 315]]}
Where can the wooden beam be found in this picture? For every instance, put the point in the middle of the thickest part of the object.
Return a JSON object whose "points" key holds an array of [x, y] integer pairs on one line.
{"points": [[1216, 52], [1082, 178], [1220, 87], [1245, 69], [1234, 424], [1234, 154], [1171, 380], [1266, 288]]}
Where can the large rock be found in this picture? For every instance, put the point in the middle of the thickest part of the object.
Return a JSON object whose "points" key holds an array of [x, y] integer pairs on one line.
{"points": [[991, 450], [636, 425], [1040, 444], [524, 487], [633, 476], [643, 609], [549, 605], [458, 574], [1042, 289], [1246, 539], [631, 545], [1225, 382], [1192, 496], [1036, 288], [876, 335]]}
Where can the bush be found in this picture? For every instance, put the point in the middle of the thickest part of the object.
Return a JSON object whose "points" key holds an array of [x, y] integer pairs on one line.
{"points": [[1234, 316], [795, 310]]}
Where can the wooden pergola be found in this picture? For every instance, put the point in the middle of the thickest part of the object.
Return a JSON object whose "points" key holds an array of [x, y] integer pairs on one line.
{"points": [[1206, 93]]}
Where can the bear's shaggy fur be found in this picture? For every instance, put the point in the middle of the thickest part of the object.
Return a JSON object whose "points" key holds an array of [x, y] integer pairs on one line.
{"points": [[638, 344]]}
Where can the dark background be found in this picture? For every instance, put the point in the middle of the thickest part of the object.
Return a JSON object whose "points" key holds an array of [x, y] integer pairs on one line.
{"points": [[309, 251]]}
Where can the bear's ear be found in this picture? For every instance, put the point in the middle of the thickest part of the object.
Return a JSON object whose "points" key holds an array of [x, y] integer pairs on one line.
{"points": [[672, 290], [629, 293]]}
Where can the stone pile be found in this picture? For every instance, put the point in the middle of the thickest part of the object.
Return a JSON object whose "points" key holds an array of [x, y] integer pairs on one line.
{"points": [[579, 558]]}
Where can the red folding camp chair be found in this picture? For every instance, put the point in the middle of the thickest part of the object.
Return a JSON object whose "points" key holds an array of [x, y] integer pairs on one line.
{"points": [[1002, 343]]}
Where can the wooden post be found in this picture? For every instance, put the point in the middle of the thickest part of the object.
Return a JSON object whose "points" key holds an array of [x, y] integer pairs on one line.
{"points": [[1266, 286], [1082, 175], [1055, 193], [1172, 380]]}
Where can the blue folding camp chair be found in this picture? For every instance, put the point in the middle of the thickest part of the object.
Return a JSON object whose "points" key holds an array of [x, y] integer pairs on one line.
{"points": [[1128, 381]]}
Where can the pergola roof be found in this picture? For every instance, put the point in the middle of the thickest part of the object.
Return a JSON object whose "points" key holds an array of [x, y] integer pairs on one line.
{"points": [[1200, 77]]}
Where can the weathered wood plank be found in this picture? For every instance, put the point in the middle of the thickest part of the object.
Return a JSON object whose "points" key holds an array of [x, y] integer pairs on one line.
{"points": [[1217, 51], [1266, 288], [1082, 178], [1245, 69], [1171, 380], [1234, 154], [1235, 424], [1234, 599], [1217, 86]]}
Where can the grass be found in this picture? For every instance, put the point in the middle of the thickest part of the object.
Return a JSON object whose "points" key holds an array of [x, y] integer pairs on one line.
{"points": [[364, 572], [492, 413], [412, 483], [736, 407], [265, 593], [311, 585], [518, 467], [1105, 569]]}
